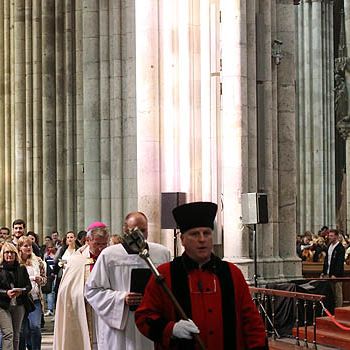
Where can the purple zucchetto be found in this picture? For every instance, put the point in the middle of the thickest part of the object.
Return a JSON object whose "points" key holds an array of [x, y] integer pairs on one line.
{"points": [[96, 224], [196, 214]]}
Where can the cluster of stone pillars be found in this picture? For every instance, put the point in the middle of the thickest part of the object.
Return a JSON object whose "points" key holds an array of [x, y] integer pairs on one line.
{"points": [[60, 113], [106, 104], [343, 122], [315, 115], [242, 141]]}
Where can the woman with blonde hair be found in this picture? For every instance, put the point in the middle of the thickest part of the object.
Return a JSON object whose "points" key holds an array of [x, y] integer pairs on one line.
{"points": [[14, 288], [36, 271]]}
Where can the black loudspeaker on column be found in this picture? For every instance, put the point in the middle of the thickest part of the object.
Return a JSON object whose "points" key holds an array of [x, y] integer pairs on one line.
{"points": [[170, 200]]}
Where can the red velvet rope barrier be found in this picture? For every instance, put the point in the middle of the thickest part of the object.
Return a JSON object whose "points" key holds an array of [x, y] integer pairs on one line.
{"points": [[334, 320]]}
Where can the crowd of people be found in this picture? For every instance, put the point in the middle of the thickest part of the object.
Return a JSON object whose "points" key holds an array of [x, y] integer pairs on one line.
{"points": [[332, 249], [30, 276], [313, 247], [85, 282]]}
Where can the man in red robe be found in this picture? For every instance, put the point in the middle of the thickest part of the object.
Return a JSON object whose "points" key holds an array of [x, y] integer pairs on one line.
{"points": [[212, 292]]}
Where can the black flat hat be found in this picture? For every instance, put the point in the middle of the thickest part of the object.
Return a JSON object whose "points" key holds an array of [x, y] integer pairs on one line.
{"points": [[196, 214]]}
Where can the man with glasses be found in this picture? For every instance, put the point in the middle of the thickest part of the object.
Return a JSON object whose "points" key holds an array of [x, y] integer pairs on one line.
{"points": [[213, 293]]}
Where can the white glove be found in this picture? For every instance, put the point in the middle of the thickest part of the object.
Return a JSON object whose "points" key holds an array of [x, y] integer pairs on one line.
{"points": [[184, 329]]}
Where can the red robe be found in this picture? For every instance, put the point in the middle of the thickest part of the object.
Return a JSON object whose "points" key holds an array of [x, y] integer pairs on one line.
{"points": [[156, 315]]}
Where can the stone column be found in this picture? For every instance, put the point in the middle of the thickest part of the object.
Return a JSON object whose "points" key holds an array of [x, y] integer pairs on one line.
{"points": [[19, 111], [61, 126], [7, 114], [305, 149], [267, 166], [347, 38], [105, 112], [37, 119], [262, 137], [128, 94], [317, 113], [69, 52], [234, 112], [329, 118], [287, 160], [12, 139], [91, 98], [2, 119], [250, 135], [116, 141], [174, 157], [169, 102], [79, 122], [29, 114], [148, 143], [301, 118], [316, 194], [249, 146], [328, 67], [189, 107], [197, 118], [343, 127], [49, 116]]}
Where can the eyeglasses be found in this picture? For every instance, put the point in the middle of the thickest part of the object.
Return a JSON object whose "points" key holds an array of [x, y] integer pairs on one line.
{"points": [[9, 252]]}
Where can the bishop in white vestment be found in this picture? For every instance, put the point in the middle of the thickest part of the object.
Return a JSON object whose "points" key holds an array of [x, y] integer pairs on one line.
{"points": [[74, 319]]}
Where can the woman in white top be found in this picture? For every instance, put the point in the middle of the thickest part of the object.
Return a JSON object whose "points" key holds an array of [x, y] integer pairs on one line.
{"points": [[31, 329], [68, 248], [63, 255]]}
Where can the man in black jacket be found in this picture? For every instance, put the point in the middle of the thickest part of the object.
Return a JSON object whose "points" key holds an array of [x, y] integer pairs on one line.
{"points": [[333, 265]]}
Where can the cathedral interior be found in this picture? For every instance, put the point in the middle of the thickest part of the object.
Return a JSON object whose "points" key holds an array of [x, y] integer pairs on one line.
{"points": [[107, 105]]}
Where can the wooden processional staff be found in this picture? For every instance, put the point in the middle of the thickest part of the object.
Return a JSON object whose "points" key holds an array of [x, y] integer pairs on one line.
{"points": [[136, 241]]}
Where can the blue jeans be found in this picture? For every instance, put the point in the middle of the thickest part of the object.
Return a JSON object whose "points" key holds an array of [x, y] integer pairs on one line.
{"points": [[31, 329], [50, 299]]}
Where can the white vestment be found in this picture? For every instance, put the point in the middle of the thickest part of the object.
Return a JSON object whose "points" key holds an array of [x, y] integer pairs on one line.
{"points": [[72, 330], [105, 290]]}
